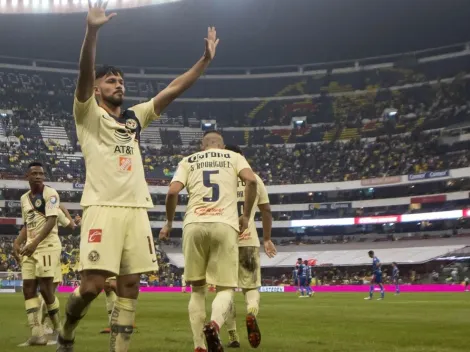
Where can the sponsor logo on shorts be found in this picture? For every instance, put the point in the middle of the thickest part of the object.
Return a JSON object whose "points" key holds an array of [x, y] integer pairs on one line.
{"points": [[125, 164], [245, 236], [94, 236], [93, 256], [209, 211]]}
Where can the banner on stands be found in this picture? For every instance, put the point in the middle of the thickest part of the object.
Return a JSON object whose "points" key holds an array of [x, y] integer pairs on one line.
{"points": [[428, 175], [271, 289], [330, 206], [13, 204], [440, 198], [78, 185], [387, 180]]}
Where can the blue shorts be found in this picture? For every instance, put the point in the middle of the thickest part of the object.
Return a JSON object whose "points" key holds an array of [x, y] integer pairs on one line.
{"points": [[303, 281], [377, 278]]}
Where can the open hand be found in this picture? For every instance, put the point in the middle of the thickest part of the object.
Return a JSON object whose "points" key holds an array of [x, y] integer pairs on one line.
{"points": [[270, 249], [96, 14], [211, 43]]}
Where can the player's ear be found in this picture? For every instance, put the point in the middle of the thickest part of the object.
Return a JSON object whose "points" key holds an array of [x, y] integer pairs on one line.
{"points": [[96, 90]]}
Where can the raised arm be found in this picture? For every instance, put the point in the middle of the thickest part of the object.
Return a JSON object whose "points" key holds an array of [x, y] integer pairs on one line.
{"points": [[86, 77], [187, 79]]}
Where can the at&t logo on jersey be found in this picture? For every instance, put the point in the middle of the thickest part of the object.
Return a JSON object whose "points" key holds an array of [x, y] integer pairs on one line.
{"points": [[94, 236]]}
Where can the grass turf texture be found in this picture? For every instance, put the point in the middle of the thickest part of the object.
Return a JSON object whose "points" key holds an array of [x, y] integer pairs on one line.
{"points": [[326, 322]]}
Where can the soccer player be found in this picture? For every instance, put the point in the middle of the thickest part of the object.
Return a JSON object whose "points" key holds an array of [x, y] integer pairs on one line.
{"points": [[376, 277], [466, 282], [41, 254], [116, 237], [396, 277], [211, 230], [249, 267], [65, 220], [308, 269], [302, 277]]}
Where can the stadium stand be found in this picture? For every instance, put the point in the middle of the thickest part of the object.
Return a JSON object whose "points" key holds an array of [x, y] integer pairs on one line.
{"points": [[366, 153]]}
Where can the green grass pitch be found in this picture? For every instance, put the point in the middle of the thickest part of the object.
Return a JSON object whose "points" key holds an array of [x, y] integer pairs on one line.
{"points": [[324, 323]]}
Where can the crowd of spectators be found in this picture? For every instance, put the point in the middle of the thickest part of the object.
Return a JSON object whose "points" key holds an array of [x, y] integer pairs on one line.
{"points": [[167, 275]]}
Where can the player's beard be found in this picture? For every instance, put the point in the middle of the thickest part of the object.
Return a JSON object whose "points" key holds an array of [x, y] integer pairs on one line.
{"points": [[114, 100]]}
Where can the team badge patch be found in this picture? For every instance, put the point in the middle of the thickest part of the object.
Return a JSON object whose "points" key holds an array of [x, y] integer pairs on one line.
{"points": [[131, 124], [53, 200], [93, 256], [37, 203]]}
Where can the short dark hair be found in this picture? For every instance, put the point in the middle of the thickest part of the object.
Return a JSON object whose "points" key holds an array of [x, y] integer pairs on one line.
{"points": [[234, 148], [106, 70], [212, 131], [394, 263], [34, 163], [371, 252], [299, 259]]}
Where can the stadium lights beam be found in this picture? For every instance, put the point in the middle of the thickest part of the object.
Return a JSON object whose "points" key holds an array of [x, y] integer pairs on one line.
{"points": [[3, 3], [25, 3], [14, 3]]}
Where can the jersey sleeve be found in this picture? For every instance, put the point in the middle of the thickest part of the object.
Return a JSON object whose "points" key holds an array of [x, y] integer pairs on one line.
{"points": [[87, 114], [262, 191], [51, 197], [145, 113], [241, 164], [62, 220], [182, 173]]}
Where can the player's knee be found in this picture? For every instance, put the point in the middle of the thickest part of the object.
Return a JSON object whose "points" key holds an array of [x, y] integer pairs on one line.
{"points": [[29, 289]]}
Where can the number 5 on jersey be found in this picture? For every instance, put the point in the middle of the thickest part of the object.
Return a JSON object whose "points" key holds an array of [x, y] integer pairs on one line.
{"points": [[209, 184]]}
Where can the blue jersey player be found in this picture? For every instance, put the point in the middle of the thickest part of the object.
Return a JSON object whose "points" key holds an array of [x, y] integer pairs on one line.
{"points": [[396, 278], [308, 269], [302, 277], [376, 277]]}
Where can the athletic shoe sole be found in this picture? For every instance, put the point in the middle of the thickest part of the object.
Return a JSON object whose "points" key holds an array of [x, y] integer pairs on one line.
{"points": [[254, 334], [212, 339]]}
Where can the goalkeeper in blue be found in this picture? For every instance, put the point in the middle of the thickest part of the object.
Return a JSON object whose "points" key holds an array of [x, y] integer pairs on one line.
{"points": [[376, 277], [396, 278]]}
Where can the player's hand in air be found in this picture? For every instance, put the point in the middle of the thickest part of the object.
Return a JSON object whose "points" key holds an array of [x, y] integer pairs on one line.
{"points": [[29, 249], [243, 222], [211, 43], [97, 15], [165, 232], [270, 249]]}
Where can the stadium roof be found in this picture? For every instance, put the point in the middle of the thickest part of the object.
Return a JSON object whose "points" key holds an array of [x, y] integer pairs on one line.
{"points": [[252, 32]]}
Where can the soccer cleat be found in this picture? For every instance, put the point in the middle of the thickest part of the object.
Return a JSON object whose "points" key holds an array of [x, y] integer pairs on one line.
{"points": [[36, 341], [368, 298], [380, 299], [64, 345], [211, 331], [105, 331], [254, 334], [200, 349], [234, 344], [234, 339], [48, 330]]}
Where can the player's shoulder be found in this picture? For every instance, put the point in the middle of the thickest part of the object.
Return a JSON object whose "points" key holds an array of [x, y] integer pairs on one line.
{"points": [[49, 191], [24, 196]]}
